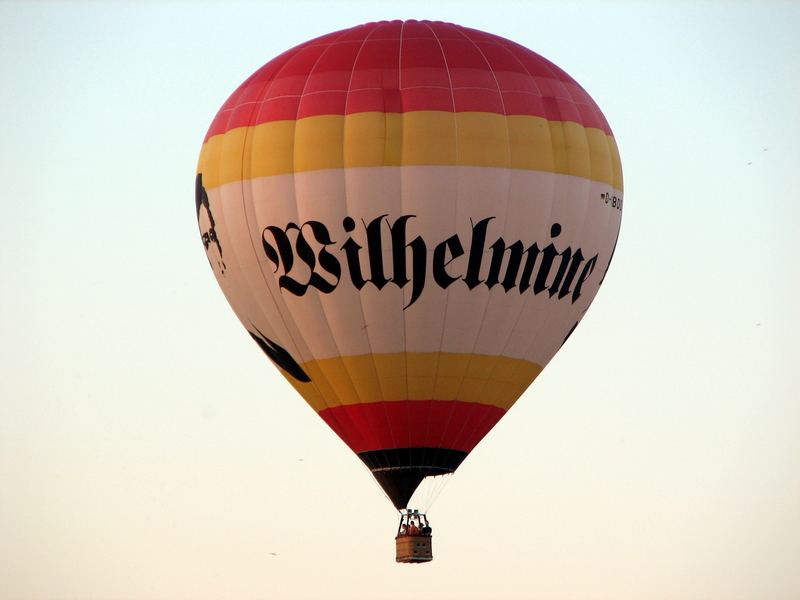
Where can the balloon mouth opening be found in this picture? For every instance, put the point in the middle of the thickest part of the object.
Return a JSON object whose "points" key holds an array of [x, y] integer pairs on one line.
{"points": [[400, 471]]}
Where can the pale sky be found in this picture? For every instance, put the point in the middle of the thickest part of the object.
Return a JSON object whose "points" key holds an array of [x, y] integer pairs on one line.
{"points": [[149, 451]]}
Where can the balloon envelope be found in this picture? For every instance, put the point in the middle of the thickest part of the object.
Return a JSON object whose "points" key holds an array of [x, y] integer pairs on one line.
{"points": [[409, 218]]}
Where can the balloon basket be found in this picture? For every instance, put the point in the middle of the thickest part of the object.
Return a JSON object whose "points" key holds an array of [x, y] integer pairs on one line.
{"points": [[414, 548], [414, 542]]}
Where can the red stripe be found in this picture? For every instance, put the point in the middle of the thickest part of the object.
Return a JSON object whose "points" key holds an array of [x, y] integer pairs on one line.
{"points": [[412, 424], [404, 67]]}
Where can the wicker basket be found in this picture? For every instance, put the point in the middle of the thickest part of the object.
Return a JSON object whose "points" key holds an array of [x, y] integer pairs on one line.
{"points": [[414, 548]]}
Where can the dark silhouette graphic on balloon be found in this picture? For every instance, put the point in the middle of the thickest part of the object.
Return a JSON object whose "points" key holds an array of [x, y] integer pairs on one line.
{"points": [[208, 231], [279, 356], [205, 219]]}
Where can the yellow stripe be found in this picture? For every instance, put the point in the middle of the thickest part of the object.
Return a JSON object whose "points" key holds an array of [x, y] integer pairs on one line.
{"points": [[373, 139], [493, 380]]}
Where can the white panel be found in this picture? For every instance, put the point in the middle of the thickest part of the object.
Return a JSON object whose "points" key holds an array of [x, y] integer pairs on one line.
{"points": [[431, 194], [370, 194], [241, 277], [445, 201]]}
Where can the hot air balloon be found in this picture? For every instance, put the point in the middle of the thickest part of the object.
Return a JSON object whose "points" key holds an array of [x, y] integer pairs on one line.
{"points": [[409, 218]]}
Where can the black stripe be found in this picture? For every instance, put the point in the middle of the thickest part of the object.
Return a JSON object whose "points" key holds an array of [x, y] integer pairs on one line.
{"points": [[399, 471]]}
